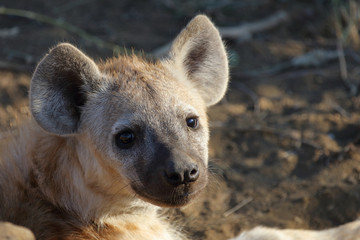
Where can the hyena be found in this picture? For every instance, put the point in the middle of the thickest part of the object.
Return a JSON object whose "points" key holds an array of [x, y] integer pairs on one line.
{"points": [[110, 143]]}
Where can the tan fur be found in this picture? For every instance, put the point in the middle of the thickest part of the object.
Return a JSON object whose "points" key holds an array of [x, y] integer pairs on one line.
{"points": [[67, 173], [10, 231], [349, 231]]}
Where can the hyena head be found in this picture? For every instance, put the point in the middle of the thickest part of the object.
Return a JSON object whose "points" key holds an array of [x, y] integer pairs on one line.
{"points": [[142, 121]]}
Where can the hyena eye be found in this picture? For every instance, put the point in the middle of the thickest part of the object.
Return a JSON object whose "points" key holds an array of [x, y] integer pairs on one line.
{"points": [[125, 139], [192, 122]]}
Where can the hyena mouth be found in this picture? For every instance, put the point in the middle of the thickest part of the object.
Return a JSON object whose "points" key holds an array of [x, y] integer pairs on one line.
{"points": [[175, 197]]}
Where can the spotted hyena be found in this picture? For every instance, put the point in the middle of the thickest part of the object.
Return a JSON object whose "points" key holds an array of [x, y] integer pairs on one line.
{"points": [[110, 143]]}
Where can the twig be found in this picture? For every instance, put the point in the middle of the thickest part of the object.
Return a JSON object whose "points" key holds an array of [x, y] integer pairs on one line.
{"points": [[10, 32], [237, 207], [313, 58], [339, 109], [240, 32], [245, 31], [62, 24], [341, 55], [342, 61], [343, 69], [295, 73]]}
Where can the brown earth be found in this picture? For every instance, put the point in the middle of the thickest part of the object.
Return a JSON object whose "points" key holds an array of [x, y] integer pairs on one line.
{"points": [[285, 143]]}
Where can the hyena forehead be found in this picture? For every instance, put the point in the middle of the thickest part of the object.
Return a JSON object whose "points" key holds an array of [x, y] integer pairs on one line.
{"points": [[147, 88], [155, 117]]}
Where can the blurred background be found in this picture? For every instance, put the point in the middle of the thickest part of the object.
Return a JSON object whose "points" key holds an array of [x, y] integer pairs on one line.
{"points": [[284, 142]]}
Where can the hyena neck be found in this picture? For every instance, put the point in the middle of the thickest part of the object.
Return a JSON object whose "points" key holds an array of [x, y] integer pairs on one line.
{"points": [[75, 180]]}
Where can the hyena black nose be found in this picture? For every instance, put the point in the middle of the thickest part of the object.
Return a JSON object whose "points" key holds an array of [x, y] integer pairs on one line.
{"points": [[182, 175]]}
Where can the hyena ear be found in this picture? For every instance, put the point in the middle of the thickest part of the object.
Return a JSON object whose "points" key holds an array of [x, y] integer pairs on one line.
{"points": [[59, 86], [199, 52]]}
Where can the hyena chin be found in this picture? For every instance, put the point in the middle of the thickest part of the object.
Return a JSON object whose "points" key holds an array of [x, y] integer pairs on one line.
{"points": [[107, 139]]}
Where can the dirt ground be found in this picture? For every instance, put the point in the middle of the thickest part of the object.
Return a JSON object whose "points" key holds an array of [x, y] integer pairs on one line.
{"points": [[285, 143]]}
